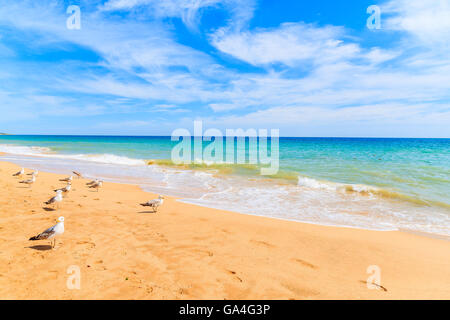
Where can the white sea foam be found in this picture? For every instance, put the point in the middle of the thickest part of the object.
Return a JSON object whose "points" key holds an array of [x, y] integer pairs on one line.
{"points": [[315, 184], [24, 150], [334, 186], [104, 158], [46, 152]]}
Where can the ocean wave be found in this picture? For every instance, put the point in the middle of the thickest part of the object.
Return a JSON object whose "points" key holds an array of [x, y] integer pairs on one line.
{"points": [[24, 150], [105, 158], [366, 190], [315, 184], [47, 152]]}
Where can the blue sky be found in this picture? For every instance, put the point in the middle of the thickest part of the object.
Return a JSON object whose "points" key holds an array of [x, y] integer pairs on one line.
{"points": [[147, 67]]}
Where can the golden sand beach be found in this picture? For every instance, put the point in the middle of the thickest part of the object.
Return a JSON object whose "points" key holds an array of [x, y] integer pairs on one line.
{"points": [[185, 251]]}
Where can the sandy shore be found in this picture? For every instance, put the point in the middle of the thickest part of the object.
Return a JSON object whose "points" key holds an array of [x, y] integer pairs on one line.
{"points": [[190, 252]]}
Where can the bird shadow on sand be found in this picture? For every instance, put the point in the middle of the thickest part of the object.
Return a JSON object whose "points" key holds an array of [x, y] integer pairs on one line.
{"points": [[41, 247], [48, 209]]}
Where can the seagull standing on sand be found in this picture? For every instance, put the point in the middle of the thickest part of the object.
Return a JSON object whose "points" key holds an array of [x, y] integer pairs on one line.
{"points": [[35, 173], [56, 199], [155, 203], [69, 179], [98, 184], [93, 182], [52, 232], [66, 189], [77, 174], [21, 172], [29, 182]]}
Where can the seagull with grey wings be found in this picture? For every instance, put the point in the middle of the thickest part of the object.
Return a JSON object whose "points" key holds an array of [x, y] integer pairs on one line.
{"points": [[56, 199], [96, 185], [52, 232], [34, 173], [69, 179], [154, 204], [21, 172], [66, 189], [29, 182]]}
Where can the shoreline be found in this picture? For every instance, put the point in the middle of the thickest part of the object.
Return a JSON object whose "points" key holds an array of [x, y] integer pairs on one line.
{"points": [[353, 218], [187, 251], [187, 201]]}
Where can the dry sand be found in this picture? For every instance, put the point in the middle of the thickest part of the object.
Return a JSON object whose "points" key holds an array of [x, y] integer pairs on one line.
{"points": [[190, 252]]}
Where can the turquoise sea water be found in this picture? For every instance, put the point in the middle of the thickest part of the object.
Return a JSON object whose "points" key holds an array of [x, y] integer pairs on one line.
{"points": [[357, 182]]}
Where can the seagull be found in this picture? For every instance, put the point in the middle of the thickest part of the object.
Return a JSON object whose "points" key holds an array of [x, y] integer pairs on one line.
{"points": [[52, 232], [155, 203], [66, 189], [93, 182], [29, 181], [35, 173], [98, 184], [21, 172], [77, 174], [56, 199], [69, 179]]}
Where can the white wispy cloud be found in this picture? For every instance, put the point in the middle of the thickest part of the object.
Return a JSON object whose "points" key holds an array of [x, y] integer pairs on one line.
{"points": [[428, 21], [189, 11], [290, 44]]}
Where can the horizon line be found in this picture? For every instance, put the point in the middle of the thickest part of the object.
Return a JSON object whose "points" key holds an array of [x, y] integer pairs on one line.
{"points": [[143, 136]]}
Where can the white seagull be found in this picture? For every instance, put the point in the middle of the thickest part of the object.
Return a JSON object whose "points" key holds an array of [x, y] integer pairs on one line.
{"points": [[69, 179], [93, 182], [56, 199], [21, 172], [98, 184], [155, 203], [66, 189], [35, 173], [79, 175], [52, 232], [29, 182]]}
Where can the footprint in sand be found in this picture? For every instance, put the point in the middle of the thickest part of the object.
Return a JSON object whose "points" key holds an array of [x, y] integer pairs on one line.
{"points": [[301, 292], [263, 243], [234, 274], [305, 263], [90, 244]]}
